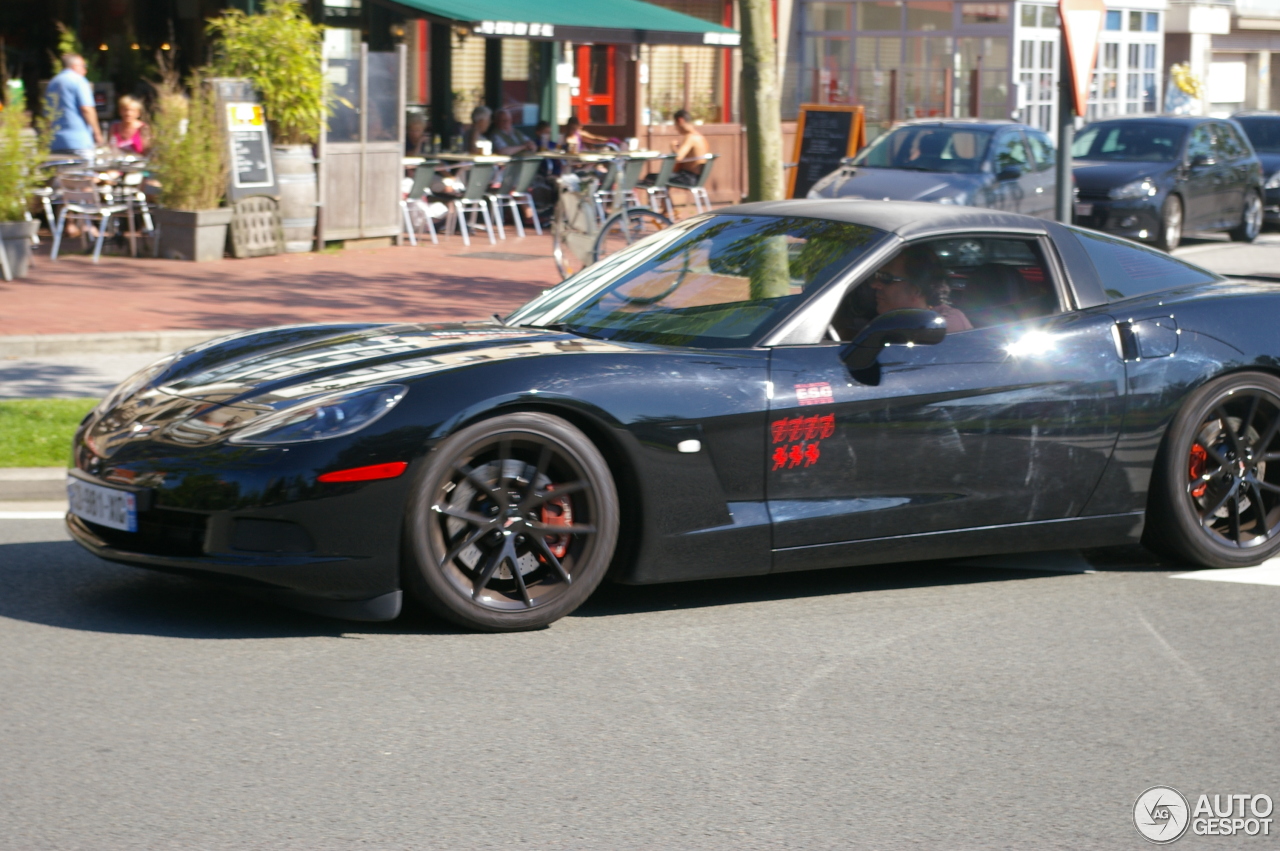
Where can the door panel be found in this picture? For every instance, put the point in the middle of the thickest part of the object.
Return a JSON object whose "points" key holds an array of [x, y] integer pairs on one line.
{"points": [[1202, 183], [996, 425]]}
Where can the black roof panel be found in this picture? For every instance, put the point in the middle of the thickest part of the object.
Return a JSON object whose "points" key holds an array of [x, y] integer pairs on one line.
{"points": [[907, 219]]}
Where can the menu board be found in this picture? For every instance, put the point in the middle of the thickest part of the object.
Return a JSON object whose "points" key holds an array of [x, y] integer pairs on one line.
{"points": [[824, 136], [250, 149]]}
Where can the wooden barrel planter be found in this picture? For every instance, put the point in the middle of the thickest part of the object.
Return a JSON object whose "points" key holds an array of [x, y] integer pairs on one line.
{"points": [[296, 176]]}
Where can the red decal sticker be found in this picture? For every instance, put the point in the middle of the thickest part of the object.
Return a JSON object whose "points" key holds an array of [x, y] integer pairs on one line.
{"points": [[795, 456], [811, 427], [780, 429], [779, 457], [796, 428], [826, 426], [817, 393], [811, 454]]}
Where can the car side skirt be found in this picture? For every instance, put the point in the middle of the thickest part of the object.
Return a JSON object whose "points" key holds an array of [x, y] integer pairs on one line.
{"points": [[1071, 533]]}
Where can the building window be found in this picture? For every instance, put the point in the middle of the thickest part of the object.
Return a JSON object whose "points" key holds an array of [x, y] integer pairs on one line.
{"points": [[1153, 22], [1135, 22], [929, 15], [880, 15], [1113, 20], [984, 13], [828, 17]]}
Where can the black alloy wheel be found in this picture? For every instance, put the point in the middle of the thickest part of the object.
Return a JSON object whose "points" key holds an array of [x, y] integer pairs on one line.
{"points": [[1170, 235], [513, 523], [1250, 219], [1215, 492]]}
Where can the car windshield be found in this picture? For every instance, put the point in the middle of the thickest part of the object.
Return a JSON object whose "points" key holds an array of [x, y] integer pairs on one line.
{"points": [[1130, 141], [715, 282], [1263, 133], [928, 148]]}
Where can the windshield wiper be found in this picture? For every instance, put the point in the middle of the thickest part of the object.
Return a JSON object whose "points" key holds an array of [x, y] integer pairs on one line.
{"points": [[569, 329]]}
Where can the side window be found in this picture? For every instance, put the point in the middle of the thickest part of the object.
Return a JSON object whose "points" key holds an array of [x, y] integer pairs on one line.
{"points": [[1229, 139], [973, 281], [1201, 143], [1128, 270], [1011, 151], [1041, 149]]}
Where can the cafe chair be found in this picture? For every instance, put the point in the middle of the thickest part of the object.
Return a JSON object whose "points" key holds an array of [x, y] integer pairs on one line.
{"points": [[514, 192], [81, 203], [657, 191], [698, 190], [474, 200], [416, 200]]}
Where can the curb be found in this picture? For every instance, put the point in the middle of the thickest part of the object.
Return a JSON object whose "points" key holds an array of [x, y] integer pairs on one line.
{"points": [[27, 484], [112, 342]]}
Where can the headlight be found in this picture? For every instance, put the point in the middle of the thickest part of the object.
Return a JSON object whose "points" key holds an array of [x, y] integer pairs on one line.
{"points": [[1137, 189], [1273, 182], [327, 416], [134, 383], [960, 199]]}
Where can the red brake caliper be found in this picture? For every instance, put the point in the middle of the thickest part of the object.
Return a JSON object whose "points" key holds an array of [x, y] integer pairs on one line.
{"points": [[557, 512], [1198, 459]]}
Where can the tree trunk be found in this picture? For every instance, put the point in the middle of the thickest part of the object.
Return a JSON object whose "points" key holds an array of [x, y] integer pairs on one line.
{"points": [[760, 107]]}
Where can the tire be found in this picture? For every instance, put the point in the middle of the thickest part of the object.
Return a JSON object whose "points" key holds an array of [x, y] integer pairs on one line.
{"points": [[1250, 219], [480, 555], [1171, 221], [626, 227], [1215, 488]]}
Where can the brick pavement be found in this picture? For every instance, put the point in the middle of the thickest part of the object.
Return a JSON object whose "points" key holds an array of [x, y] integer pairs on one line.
{"points": [[428, 282]]}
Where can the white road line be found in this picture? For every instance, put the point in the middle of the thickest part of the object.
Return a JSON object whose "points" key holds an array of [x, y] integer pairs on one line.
{"points": [[1267, 573], [32, 515]]}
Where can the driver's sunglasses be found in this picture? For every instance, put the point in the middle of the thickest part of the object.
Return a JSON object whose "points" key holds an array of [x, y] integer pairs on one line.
{"points": [[886, 278]]}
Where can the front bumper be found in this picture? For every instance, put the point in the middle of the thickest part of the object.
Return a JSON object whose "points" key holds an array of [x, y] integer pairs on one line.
{"points": [[1137, 218], [1271, 206]]}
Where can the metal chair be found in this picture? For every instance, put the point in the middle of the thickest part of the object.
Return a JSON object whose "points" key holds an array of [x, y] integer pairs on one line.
{"points": [[514, 191], [657, 190], [81, 202], [474, 199], [602, 198], [129, 191], [698, 189], [416, 199]]}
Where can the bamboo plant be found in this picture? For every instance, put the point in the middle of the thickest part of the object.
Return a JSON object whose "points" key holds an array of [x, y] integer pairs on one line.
{"points": [[188, 154], [280, 52], [22, 151]]}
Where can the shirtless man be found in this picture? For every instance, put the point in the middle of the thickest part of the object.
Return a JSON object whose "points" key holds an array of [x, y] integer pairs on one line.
{"points": [[691, 151]]}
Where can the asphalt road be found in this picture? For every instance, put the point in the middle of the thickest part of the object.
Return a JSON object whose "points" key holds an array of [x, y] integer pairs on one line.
{"points": [[911, 706]]}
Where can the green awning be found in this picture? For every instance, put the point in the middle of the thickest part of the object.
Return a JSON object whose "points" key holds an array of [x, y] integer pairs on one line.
{"points": [[586, 21]]}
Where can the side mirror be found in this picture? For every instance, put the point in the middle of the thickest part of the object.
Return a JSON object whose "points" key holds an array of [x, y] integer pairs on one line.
{"points": [[911, 325], [1009, 172], [1201, 160]]}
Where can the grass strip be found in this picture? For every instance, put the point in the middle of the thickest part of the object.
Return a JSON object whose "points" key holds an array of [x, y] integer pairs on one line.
{"points": [[38, 432]]}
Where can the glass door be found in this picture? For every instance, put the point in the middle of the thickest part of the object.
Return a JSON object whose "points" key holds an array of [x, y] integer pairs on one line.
{"points": [[595, 100]]}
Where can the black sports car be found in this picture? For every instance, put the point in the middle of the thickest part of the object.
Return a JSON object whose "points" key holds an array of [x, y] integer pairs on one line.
{"points": [[773, 387]]}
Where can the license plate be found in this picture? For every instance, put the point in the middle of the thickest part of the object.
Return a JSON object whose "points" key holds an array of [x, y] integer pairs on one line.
{"points": [[1084, 209], [115, 509]]}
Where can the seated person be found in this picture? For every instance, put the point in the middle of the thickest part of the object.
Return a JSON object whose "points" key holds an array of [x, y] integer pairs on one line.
{"points": [[507, 139], [130, 135], [481, 117], [914, 278], [416, 141], [577, 140], [691, 151]]}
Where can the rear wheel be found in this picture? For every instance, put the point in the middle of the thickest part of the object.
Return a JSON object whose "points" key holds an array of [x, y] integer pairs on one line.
{"points": [[1250, 219], [1170, 234], [1215, 492], [513, 523], [626, 227]]}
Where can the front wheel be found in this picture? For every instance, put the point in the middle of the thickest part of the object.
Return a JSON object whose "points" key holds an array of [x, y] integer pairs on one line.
{"points": [[626, 227], [1215, 489], [512, 525], [1170, 234], [1250, 219]]}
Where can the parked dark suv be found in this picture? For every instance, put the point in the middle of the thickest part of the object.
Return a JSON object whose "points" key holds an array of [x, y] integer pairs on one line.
{"points": [[1263, 130], [997, 164], [1152, 178]]}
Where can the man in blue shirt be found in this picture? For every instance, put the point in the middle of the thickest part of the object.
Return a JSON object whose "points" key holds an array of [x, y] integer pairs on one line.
{"points": [[70, 100]]}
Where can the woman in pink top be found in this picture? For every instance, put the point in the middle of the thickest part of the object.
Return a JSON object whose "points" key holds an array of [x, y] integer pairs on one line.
{"points": [[130, 134]]}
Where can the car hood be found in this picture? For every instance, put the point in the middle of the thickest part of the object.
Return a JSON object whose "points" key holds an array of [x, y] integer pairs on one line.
{"points": [[894, 184], [353, 358], [1098, 176]]}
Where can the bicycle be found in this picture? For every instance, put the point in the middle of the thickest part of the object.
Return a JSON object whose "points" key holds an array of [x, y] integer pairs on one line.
{"points": [[579, 238]]}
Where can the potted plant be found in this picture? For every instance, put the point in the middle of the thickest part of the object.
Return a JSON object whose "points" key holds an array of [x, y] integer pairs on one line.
{"points": [[280, 52], [21, 153], [188, 159]]}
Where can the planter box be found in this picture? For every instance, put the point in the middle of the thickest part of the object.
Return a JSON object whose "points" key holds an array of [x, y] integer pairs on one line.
{"points": [[16, 237], [199, 235]]}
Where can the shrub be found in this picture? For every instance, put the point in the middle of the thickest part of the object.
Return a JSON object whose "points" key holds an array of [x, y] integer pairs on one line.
{"points": [[21, 153], [188, 154]]}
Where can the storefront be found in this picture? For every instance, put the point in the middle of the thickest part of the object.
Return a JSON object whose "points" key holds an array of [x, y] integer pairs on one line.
{"points": [[1234, 49], [906, 59]]}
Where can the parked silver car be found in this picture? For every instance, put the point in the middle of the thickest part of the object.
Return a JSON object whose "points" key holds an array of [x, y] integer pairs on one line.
{"points": [[998, 164]]}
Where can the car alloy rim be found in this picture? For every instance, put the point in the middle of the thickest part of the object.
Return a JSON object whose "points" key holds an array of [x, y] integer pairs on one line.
{"points": [[1231, 481], [1252, 216], [512, 521], [1173, 225]]}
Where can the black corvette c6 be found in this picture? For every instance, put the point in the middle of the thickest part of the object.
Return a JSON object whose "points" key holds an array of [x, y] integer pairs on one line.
{"points": [[739, 394]]}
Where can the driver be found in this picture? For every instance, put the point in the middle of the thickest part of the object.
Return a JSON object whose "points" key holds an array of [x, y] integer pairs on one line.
{"points": [[915, 278]]}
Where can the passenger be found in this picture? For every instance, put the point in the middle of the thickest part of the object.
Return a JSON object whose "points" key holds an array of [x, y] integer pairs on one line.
{"points": [[914, 278]]}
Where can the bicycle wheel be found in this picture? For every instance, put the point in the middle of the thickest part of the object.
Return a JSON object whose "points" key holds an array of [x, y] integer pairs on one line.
{"points": [[625, 227]]}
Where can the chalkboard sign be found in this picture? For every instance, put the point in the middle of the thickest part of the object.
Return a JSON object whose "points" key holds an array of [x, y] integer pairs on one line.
{"points": [[824, 136], [250, 149]]}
